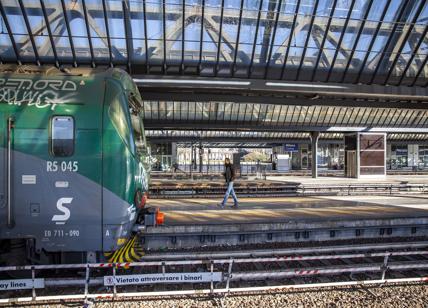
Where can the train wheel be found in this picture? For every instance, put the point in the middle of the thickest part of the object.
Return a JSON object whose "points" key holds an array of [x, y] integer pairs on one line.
{"points": [[14, 253]]}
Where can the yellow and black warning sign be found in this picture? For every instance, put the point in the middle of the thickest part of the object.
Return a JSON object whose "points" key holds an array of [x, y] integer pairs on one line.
{"points": [[132, 251]]}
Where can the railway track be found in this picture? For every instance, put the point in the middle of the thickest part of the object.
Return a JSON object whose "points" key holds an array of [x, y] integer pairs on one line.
{"points": [[196, 190], [217, 272]]}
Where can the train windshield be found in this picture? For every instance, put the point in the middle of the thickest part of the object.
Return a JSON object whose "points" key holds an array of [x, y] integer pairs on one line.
{"points": [[137, 124], [139, 134]]}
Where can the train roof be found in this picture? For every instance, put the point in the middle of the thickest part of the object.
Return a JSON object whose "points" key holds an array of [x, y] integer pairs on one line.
{"points": [[52, 71]]}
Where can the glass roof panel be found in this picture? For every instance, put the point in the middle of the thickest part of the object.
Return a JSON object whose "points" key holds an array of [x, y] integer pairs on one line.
{"points": [[271, 116], [345, 41], [37, 22], [139, 31], [15, 18]]}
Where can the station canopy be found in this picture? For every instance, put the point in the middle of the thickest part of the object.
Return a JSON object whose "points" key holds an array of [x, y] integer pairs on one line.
{"points": [[251, 139], [267, 65]]}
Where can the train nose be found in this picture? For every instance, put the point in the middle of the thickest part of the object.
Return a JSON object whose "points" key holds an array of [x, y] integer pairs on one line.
{"points": [[143, 200]]}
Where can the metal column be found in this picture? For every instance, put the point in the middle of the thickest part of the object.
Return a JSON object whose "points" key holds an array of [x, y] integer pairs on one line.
{"points": [[194, 163], [314, 148], [174, 158], [201, 153]]}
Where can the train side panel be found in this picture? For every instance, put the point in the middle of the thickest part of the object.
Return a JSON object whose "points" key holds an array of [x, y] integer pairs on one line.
{"points": [[55, 178]]}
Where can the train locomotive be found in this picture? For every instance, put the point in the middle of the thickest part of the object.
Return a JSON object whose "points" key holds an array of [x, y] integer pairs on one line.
{"points": [[73, 163]]}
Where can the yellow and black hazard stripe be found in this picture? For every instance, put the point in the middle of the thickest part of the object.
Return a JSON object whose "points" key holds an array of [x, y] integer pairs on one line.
{"points": [[132, 251]]}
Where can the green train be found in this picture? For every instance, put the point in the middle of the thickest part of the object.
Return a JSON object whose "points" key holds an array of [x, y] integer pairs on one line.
{"points": [[73, 163]]}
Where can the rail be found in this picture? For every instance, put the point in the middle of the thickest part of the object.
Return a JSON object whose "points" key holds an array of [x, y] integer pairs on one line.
{"points": [[217, 275], [197, 189]]}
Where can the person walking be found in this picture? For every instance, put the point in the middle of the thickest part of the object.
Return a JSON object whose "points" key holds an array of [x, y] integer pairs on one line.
{"points": [[229, 175]]}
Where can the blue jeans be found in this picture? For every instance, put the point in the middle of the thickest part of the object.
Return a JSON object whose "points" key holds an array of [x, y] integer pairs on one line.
{"points": [[229, 191]]}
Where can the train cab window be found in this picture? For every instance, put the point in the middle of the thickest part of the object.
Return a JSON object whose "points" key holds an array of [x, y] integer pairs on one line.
{"points": [[62, 136], [121, 119]]}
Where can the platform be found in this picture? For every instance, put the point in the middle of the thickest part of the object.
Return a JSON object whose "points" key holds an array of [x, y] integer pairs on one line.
{"points": [[260, 220], [328, 180]]}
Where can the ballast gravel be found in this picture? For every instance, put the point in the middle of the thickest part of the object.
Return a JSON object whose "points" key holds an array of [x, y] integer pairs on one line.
{"points": [[415, 295]]}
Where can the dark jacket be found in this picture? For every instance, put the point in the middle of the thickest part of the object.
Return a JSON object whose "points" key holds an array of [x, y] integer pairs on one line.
{"points": [[229, 173]]}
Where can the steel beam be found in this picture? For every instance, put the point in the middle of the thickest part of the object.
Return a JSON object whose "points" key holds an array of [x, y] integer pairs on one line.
{"points": [[183, 34], [48, 28], [9, 32], [312, 90], [88, 32], [30, 33], [308, 36], [67, 25], [420, 70], [321, 47], [145, 37], [404, 38], [393, 38], [270, 99], [238, 35], [278, 12], [357, 39], [201, 38], [372, 41], [164, 34], [108, 32], [220, 30], [270, 20], [157, 124], [339, 44], [128, 34], [414, 53], [290, 36], [255, 39], [266, 42]]}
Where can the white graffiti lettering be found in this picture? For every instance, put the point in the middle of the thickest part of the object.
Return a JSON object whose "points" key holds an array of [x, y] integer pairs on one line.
{"points": [[39, 85], [38, 99]]}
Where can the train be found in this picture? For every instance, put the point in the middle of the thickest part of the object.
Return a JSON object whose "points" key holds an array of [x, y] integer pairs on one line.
{"points": [[74, 163]]}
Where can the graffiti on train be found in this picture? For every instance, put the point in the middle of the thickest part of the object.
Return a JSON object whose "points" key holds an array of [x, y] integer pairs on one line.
{"points": [[39, 94]]}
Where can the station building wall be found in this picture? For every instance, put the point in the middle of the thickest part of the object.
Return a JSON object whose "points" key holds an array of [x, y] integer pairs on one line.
{"points": [[331, 156]]}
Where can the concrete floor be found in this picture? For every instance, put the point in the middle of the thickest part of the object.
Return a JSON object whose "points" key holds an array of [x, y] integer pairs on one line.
{"points": [[204, 211]]}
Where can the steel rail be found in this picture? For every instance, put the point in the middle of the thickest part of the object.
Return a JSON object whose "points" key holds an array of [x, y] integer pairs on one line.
{"points": [[235, 276], [288, 251], [286, 258], [334, 270]]}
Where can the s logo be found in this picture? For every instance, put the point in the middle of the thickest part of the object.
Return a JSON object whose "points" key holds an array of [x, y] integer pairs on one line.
{"points": [[61, 219]]}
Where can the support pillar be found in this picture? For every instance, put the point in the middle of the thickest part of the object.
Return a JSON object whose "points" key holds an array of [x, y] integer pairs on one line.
{"points": [[208, 163], [174, 158], [194, 165], [314, 149], [201, 153], [191, 161]]}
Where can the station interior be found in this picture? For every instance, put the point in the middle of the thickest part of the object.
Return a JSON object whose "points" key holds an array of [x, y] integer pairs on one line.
{"points": [[320, 105]]}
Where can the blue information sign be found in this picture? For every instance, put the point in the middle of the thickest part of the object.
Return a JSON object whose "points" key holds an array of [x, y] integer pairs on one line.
{"points": [[291, 147]]}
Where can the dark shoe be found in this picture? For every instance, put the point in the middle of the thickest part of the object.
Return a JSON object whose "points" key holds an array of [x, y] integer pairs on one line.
{"points": [[220, 205], [235, 206]]}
